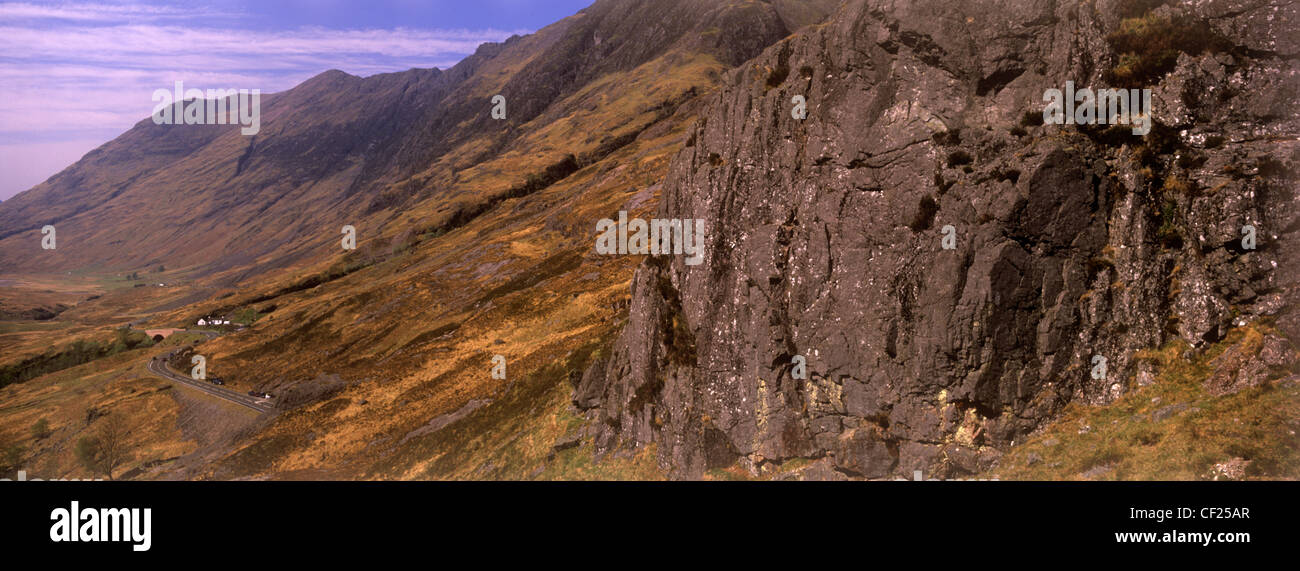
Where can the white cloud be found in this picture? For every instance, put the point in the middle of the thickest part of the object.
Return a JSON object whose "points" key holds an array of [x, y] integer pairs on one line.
{"points": [[10, 11]]}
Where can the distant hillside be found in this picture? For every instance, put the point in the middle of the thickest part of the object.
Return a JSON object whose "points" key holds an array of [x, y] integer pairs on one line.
{"points": [[475, 234], [340, 149], [825, 250]]}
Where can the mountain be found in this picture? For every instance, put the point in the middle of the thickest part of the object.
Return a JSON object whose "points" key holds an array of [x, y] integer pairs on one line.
{"points": [[824, 254], [340, 149], [473, 234], [1073, 244]]}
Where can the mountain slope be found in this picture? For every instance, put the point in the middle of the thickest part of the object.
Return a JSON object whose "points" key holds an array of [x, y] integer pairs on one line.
{"points": [[339, 149], [474, 235], [824, 241]]}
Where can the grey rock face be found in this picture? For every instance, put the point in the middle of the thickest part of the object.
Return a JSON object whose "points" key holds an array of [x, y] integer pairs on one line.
{"points": [[824, 239], [1249, 364], [1165, 412]]}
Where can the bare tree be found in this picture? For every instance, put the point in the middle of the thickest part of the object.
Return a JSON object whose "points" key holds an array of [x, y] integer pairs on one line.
{"points": [[107, 449]]}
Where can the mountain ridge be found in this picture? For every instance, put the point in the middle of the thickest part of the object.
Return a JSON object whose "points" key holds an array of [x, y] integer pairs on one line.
{"points": [[825, 242], [472, 233]]}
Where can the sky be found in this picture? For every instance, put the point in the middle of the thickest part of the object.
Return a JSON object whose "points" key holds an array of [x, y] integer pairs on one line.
{"points": [[76, 75]]}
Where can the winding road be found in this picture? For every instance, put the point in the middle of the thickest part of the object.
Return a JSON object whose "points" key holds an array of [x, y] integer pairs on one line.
{"points": [[158, 366]]}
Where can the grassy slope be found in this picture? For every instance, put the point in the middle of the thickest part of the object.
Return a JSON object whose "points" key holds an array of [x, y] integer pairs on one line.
{"points": [[1122, 440], [415, 332], [116, 385], [412, 330]]}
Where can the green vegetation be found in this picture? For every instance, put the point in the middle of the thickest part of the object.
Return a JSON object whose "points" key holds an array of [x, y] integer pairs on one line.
{"points": [[41, 430], [351, 262], [180, 359], [462, 214], [78, 352], [1169, 232], [1149, 46], [246, 316], [580, 464], [106, 450], [11, 459], [1128, 440], [23, 326]]}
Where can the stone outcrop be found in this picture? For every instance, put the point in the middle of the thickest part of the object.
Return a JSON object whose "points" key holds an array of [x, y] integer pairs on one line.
{"points": [[1072, 243]]}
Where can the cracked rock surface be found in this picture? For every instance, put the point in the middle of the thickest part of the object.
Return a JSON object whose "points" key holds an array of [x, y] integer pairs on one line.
{"points": [[824, 237]]}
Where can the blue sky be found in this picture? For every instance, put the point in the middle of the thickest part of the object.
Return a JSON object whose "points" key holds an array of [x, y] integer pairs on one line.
{"points": [[78, 74]]}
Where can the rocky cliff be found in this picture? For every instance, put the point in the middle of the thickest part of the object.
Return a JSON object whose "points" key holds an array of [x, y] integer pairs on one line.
{"points": [[1073, 244]]}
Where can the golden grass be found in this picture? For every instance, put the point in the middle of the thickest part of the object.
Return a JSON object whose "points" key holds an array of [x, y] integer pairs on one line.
{"points": [[1121, 441]]}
